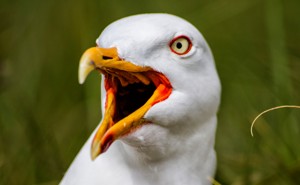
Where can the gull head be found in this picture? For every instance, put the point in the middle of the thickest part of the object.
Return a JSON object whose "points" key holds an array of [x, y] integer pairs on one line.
{"points": [[158, 79]]}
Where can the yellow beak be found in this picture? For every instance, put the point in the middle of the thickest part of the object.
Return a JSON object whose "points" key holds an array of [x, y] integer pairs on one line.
{"points": [[118, 75]]}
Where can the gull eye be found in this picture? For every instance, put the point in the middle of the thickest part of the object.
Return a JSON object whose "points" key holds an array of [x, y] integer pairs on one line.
{"points": [[181, 45]]}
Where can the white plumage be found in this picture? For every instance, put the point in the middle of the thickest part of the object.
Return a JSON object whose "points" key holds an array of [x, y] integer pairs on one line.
{"points": [[175, 142]]}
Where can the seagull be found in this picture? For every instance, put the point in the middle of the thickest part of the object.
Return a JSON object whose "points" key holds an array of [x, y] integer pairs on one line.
{"points": [[160, 94]]}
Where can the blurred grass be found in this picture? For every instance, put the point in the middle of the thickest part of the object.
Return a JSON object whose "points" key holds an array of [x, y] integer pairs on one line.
{"points": [[45, 116]]}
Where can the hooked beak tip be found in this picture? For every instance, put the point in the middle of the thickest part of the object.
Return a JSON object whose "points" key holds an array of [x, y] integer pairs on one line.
{"points": [[85, 67]]}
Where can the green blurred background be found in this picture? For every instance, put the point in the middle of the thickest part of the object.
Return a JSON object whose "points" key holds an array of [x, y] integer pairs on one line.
{"points": [[46, 116]]}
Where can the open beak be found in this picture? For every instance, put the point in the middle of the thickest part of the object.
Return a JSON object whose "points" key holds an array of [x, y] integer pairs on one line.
{"points": [[131, 91]]}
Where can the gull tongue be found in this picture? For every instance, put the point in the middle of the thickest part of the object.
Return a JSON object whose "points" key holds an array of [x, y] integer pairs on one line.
{"points": [[107, 134]]}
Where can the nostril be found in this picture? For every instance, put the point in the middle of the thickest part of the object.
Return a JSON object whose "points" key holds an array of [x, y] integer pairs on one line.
{"points": [[107, 58]]}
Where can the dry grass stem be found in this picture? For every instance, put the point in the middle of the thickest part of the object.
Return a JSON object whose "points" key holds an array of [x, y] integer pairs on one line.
{"points": [[271, 109], [213, 181]]}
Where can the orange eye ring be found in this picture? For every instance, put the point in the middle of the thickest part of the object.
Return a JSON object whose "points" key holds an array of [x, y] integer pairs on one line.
{"points": [[181, 45]]}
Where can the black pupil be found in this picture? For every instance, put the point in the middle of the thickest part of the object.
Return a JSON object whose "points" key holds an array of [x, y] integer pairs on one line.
{"points": [[179, 45]]}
